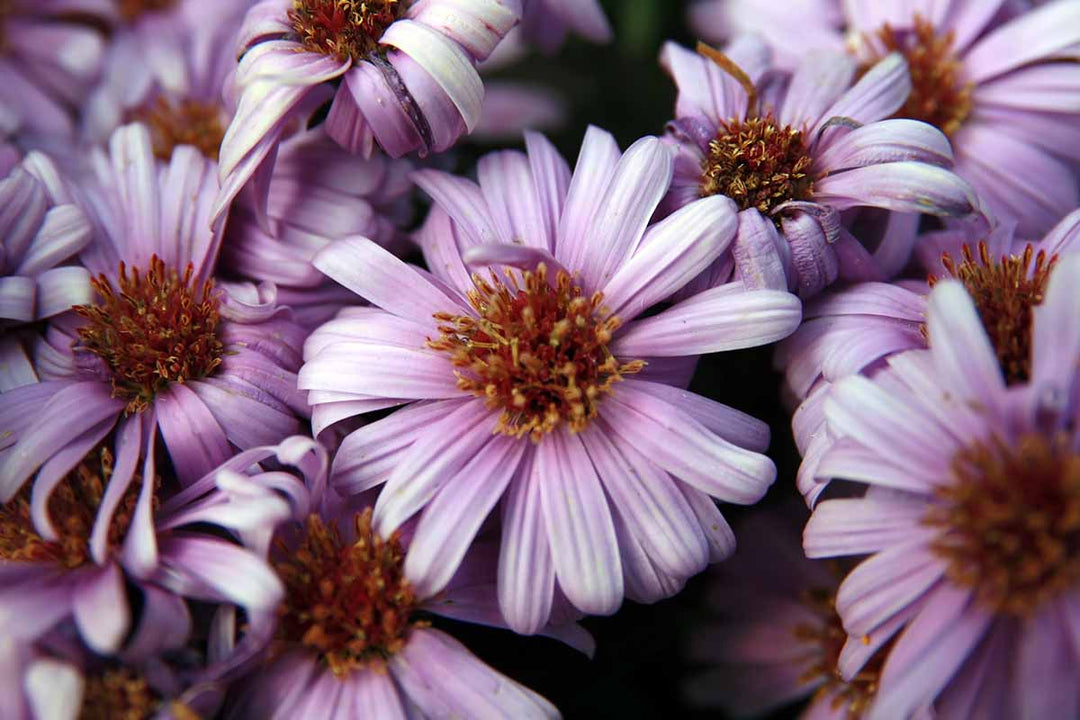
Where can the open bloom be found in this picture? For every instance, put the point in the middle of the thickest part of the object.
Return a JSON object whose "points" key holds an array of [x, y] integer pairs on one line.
{"points": [[49, 59], [530, 382], [853, 330], [793, 168], [1001, 84], [41, 227], [408, 79], [772, 635], [215, 373], [971, 518]]}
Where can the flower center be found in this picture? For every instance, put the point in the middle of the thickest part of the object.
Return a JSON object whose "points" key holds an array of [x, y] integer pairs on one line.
{"points": [[118, 694], [536, 351], [189, 122], [1005, 292], [757, 163], [938, 96], [344, 28], [157, 329], [350, 603], [1010, 523], [826, 640], [73, 506], [131, 10]]}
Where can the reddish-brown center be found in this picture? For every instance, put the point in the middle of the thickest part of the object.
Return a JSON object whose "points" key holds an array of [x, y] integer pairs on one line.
{"points": [[157, 328], [758, 163], [1005, 291], [826, 639], [188, 122], [344, 28], [131, 10], [349, 602], [73, 507], [1010, 522], [536, 351], [938, 95]]}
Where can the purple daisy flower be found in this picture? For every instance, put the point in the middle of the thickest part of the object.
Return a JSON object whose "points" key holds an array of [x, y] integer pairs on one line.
{"points": [[49, 59], [68, 549], [212, 372], [971, 518], [854, 330], [533, 384], [41, 226], [407, 69], [773, 636], [317, 195], [998, 79], [823, 147]]}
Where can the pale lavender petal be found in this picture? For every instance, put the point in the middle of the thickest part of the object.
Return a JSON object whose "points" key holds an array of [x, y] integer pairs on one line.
{"points": [[1050, 31], [595, 167], [101, 609], [54, 689], [887, 141], [861, 526], [727, 422], [887, 583], [381, 371], [877, 95], [1045, 667], [901, 187], [818, 82], [507, 185], [526, 576], [195, 440], [464, 202], [963, 354]]}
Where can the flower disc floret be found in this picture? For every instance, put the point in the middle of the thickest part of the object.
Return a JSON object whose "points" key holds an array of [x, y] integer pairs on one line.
{"points": [[344, 28], [1005, 291], [537, 351], [187, 122], [350, 602], [154, 329], [1010, 521], [131, 10], [758, 163]]}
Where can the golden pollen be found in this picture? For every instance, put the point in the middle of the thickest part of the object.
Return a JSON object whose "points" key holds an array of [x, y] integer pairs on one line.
{"points": [[1010, 522], [825, 639], [536, 351], [350, 602], [1005, 291], [156, 329], [73, 506], [119, 694], [757, 163], [344, 28], [189, 122], [131, 10], [938, 96]]}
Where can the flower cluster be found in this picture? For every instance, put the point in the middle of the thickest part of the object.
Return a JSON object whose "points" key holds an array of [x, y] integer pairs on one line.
{"points": [[286, 403]]}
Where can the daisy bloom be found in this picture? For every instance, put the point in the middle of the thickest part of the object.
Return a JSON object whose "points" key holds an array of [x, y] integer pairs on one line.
{"points": [[40, 228], [408, 79], [971, 517], [212, 372], [772, 636], [793, 165], [855, 329], [1001, 83], [49, 59], [528, 382]]}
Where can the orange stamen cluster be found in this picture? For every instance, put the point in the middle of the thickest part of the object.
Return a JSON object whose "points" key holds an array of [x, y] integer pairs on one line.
{"points": [[757, 163], [344, 28], [1005, 292], [119, 694], [156, 329], [1010, 522], [188, 122], [536, 351], [938, 95], [350, 603], [73, 507], [826, 640], [131, 10]]}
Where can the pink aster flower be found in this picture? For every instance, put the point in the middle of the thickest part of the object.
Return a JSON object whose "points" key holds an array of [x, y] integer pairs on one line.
{"points": [[408, 79], [855, 329], [530, 384], [793, 165], [772, 636], [317, 195], [971, 517], [212, 372], [49, 59], [40, 228], [998, 79]]}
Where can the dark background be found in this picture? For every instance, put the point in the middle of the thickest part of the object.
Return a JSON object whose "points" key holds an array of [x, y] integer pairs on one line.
{"points": [[639, 666]]}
